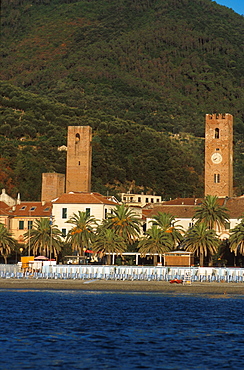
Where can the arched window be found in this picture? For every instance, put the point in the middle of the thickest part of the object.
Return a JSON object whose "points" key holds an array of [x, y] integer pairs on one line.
{"points": [[216, 178], [216, 133], [77, 138]]}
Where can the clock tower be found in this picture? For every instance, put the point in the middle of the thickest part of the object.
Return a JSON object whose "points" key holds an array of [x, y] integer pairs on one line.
{"points": [[219, 155]]}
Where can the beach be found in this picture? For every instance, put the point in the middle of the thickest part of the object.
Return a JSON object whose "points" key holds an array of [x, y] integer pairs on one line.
{"points": [[124, 286]]}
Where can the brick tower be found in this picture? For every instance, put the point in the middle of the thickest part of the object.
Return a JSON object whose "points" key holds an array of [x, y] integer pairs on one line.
{"points": [[52, 186], [78, 167], [219, 155]]}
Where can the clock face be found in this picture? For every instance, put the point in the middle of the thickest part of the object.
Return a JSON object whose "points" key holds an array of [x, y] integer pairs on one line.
{"points": [[216, 158]]}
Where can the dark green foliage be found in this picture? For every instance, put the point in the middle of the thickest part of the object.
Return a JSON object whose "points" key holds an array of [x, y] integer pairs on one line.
{"points": [[121, 66]]}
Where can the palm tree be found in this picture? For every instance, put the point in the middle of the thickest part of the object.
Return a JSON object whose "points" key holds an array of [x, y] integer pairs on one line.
{"points": [[7, 243], [44, 238], [201, 240], [124, 222], [236, 239], [167, 223], [211, 213], [107, 241], [156, 241], [81, 234]]}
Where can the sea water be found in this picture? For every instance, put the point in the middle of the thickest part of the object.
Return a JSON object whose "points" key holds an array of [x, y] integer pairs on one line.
{"points": [[99, 330]]}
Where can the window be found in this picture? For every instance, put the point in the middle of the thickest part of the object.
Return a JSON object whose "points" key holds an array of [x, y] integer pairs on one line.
{"points": [[64, 233], [64, 212], [32, 208], [21, 225], [23, 208], [191, 224], [88, 211], [131, 199], [216, 178], [106, 212], [30, 225], [139, 199], [157, 200], [146, 200], [216, 133], [46, 209], [152, 200]]}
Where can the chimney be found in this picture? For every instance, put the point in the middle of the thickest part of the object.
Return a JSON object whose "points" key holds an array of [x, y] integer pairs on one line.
{"points": [[18, 199]]}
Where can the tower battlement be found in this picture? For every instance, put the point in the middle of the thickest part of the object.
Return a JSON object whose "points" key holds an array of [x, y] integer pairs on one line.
{"points": [[219, 116]]}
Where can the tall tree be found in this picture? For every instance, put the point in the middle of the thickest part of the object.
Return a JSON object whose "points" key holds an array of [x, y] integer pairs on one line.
{"points": [[213, 215], [167, 223], [202, 241], [44, 238], [124, 222], [107, 241], [7, 243], [236, 239], [82, 232], [156, 241]]}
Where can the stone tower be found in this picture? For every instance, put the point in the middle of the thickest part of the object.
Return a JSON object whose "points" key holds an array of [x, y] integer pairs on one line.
{"points": [[52, 186], [78, 167], [219, 155]]}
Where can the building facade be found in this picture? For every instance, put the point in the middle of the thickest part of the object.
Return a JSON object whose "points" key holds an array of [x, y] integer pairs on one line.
{"points": [[68, 204]]}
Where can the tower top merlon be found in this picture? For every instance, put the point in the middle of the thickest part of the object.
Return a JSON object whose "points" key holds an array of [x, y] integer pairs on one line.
{"points": [[217, 116]]}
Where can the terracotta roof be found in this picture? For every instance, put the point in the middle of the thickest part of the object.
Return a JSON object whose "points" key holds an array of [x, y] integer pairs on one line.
{"points": [[4, 208], [235, 207], [186, 201], [82, 198], [31, 209], [182, 211], [190, 201]]}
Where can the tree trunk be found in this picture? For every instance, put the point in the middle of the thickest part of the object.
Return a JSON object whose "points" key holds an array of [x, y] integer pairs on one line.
{"points": [[155, 260], [109, 259], [201, 259], [5, 259]]}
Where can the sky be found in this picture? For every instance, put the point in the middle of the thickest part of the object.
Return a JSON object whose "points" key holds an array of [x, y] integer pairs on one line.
{"points": [[236, 5]]}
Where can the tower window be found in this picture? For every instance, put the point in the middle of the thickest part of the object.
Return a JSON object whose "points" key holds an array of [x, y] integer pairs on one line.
{"points": [[77, 138], [216, 133], [216, 178]]}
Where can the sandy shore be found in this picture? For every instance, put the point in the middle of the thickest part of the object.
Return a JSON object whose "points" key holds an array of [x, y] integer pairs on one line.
{"points": [[124, 286]]}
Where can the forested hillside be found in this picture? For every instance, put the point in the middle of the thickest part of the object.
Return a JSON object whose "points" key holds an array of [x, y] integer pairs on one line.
{"points": [[142, 73]]}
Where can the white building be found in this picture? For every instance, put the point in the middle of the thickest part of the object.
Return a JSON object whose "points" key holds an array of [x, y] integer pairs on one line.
{"points": [[68, 204], [183, 209], [139, 200]]}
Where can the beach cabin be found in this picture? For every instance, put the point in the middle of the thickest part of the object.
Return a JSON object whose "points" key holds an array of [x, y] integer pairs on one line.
{"points": [[179, 258]]}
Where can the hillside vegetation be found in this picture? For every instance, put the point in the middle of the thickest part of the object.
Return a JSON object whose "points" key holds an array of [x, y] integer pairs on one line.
{"points": [[142, 73]]}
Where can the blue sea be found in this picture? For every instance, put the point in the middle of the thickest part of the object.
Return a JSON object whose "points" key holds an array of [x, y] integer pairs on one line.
{"points": [[99, 330]]}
